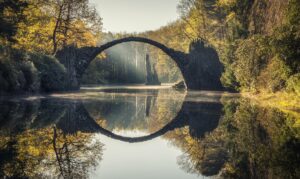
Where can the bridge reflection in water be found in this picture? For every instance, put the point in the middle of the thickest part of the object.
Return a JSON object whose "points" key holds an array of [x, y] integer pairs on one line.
{"points": [[199, 117], [213, 131]]}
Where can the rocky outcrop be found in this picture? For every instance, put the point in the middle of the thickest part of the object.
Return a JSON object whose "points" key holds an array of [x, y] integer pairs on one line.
{"points": [[151, 74], [179, 85], [204, 70]]}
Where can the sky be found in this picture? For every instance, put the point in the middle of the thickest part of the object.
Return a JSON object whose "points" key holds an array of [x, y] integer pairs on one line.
{"points": [[135, 15]]}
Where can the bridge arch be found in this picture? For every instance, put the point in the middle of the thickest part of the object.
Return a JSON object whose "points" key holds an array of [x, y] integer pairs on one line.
{"points": [[77, 60], [177, 57]]}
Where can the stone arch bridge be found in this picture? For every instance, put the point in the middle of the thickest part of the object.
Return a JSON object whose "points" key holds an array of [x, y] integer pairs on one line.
{"points": [[77, 60]]}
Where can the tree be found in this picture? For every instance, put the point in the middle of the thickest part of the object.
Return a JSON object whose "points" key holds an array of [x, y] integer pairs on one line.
{"points": [[66, 13], [11, 13], [49, 25]]}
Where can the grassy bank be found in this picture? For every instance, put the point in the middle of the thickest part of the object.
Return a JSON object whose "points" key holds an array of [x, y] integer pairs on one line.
{"points": [[284, 101]]}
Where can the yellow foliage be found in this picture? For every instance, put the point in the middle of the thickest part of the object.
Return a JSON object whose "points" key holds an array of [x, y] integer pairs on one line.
{"points": [[36, 154], [36, 31], [231, 16], [285, 102], [81, 35], [226, 3]]}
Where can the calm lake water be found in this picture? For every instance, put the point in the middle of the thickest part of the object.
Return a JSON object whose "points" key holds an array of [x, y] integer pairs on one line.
{"points": [[136, 132]]}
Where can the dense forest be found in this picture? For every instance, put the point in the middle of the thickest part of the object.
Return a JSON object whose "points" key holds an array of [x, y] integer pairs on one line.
{"points": [[257, 42]]}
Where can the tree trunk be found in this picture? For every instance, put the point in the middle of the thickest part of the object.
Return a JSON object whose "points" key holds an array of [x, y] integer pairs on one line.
{"points": [[57, 24], [67, 24]]}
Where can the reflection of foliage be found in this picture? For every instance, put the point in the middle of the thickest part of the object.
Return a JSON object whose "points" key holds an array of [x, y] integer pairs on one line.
{"points": [[204, 157], [250, 142], [164, 108], [259, 143], [49, 153], [69, 152]]}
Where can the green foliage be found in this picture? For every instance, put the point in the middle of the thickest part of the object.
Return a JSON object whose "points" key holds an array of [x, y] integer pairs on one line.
{"points": [[52, 73], [274, 76], [11, 13], [96, 73], [293, 83], [227, 57], [29, 72], [31, 75], [17, 74], [11, 79], [43, 26], [260, 51], [286, 39], [251, 57], [229, 80]]}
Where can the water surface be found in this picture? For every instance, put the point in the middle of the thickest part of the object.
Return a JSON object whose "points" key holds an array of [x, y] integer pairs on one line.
{"points": [[145, 132]]}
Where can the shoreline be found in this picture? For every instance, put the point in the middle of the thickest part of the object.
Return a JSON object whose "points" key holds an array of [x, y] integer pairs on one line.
{"points": [[288, 103]]}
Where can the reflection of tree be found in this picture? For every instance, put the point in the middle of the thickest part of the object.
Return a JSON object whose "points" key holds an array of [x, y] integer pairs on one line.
{"points": [[250, 142], [258, 141], [204, 155], [24, 153], [49, 153], [16, 116], [75, 154], [201, 158]]}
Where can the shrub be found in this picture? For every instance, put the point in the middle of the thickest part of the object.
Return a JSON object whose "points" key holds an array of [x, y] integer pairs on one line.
{"points": [[52, 73], [273, 78], [18, 77], [229, 80], [293, 83], [251, 58], [31, 75], [29, 72], [8, 76], [227, 57]]}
